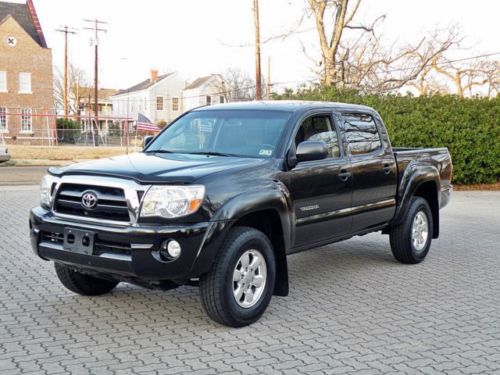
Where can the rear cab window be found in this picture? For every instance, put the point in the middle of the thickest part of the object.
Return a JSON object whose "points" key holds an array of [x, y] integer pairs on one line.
{"points": [[361, 133]]}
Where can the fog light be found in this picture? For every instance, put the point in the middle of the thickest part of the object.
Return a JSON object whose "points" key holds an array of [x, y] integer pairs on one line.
{"points": [[170, 249], [174, 249]]}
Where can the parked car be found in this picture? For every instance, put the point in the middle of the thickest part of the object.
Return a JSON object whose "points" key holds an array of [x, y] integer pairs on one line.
{"points": [[221, 197], [4, 154]]}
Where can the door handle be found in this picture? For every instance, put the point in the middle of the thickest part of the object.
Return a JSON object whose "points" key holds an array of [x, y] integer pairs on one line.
{"points": [[344, 175], [387, 168]]}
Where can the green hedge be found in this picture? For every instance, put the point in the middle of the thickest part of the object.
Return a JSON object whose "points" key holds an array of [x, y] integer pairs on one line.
{"points": [[469, 127]]}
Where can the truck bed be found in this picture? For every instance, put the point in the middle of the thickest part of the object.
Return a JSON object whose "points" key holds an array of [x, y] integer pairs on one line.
{"points": [[437, 157]]}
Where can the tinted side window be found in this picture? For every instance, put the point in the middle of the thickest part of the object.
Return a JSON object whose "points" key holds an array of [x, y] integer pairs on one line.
{"points": [[361, 133], [319, 128]]}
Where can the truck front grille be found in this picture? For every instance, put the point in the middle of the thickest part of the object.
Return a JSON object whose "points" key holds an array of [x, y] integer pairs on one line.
{"points": [[111, 202]]}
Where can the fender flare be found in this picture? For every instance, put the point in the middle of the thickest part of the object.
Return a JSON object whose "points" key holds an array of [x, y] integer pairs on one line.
{"points": [[414, 176], [275, 197]]}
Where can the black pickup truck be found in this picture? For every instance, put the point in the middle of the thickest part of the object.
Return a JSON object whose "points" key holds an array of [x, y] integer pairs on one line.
{"points": [[220, 197]]}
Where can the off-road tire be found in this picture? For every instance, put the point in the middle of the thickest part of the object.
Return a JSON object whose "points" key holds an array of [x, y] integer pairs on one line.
{"points": [[401, 236], [216, 286]]}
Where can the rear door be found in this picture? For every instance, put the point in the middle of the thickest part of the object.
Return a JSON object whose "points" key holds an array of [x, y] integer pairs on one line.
{"points": [[373, 168], [321, 189]]}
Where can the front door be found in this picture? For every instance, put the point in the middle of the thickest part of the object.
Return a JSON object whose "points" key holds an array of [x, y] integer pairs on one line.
{"points": [[321, 189]]}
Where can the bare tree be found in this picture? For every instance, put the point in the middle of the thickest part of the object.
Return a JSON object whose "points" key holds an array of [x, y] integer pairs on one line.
{"points": [[336, 10], [362, 61], [464, 78], [367, 65], [237, 86], [77, 79]]}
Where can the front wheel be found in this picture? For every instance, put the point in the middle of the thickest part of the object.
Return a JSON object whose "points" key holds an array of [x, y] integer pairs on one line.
{"points": [[238, 288], [83, 284], [411, 240]]}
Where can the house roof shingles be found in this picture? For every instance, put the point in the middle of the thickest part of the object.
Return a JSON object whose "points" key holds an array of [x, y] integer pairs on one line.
{"points": [[26, 17], [199, 82], [143, 85]]}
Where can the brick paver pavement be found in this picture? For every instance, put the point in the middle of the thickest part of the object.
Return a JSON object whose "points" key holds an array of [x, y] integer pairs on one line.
{"points": [[352, 309]]}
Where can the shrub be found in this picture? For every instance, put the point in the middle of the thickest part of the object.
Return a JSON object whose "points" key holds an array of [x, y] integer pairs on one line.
{"points": [[68, 131], [469, 127]]}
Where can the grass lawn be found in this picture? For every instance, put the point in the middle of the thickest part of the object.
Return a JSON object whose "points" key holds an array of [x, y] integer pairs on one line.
{"points": [[59, 155]]}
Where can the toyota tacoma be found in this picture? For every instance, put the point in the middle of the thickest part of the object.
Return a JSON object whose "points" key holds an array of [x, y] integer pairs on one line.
{"points": [[220, 197]]}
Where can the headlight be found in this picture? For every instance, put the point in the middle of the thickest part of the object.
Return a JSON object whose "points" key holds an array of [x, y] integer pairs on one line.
{"points": [[46, 190], [172, 201]]}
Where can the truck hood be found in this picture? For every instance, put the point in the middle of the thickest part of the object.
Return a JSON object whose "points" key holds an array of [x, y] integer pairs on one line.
{"points": [[159, 168]]}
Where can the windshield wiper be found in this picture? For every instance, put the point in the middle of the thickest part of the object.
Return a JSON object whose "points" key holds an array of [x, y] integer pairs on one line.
{"points": [[211, 153], [159, 152]]}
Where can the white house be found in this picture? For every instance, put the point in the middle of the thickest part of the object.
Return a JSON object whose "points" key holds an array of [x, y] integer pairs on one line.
{"points": [[204, 91], [159, 98]]}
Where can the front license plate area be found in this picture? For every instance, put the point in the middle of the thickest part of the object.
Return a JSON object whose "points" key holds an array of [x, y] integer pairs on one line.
{"points": [[79, 241]]}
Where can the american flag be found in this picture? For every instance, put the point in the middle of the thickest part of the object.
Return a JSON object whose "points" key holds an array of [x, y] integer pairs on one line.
{"points": [[145, 124]]}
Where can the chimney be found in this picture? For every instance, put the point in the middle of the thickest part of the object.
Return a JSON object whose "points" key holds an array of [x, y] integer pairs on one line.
{"points": [[154, 75]]}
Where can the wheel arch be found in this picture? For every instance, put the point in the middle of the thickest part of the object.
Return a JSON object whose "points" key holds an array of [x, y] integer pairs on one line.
{"points": [[427, 190], [269, 222], [265, 210], [419, 181]]}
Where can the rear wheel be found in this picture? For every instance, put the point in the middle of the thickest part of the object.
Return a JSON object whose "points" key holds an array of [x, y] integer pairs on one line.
{"points": [[411, 240], [80, 283], [238, 288]]}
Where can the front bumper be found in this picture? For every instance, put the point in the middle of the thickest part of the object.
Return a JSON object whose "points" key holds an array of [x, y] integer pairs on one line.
{"points": [[127, 252]]}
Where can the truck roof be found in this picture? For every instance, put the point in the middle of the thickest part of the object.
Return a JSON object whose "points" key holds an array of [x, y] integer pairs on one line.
{"points": [[284, 105]]}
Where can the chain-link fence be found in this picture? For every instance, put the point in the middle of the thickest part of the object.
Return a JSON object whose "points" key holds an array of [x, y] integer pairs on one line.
{"points": [[26, 126]]}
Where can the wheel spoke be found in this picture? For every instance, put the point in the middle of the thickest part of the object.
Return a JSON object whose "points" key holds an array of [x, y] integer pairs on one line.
{"points": [[249, 296], [255, 261], [258, 281], [236, 275], [238, 293], [245, 260]]}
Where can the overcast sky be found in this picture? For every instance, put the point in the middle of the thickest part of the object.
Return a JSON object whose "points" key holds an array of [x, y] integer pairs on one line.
{"points": [[199, 37]]}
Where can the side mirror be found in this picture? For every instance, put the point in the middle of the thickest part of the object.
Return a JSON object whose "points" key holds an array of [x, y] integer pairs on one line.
{"points": [[147, 140], [311, 150]]}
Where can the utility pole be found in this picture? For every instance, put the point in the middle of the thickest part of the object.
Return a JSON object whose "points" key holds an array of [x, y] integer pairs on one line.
{"points": [[66, 30], [95, 28], [268, 83], [258, 77]]}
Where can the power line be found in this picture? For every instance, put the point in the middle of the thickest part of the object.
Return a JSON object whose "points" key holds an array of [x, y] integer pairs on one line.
{"points": [[308, 81]]}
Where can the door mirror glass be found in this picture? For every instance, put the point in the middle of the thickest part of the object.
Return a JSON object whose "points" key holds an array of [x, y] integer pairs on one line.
{"points": [[147, 140], [311, 150]]}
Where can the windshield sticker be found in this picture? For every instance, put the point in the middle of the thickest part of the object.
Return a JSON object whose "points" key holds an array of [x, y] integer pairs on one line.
{"points": [[264, 152]]}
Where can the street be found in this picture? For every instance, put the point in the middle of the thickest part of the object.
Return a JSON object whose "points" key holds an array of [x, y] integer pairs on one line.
{"points": [[21, 175], [352, 309]]}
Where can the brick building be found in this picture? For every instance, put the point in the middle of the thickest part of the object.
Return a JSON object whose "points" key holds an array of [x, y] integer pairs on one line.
{"points": [[26, 80]]}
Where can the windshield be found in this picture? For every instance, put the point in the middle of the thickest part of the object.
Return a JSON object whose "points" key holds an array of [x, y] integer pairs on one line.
{"points": [[247, 133]]}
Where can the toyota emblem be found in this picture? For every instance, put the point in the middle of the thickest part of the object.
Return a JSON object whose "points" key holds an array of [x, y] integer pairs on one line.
{"points": [[89, 200]]}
